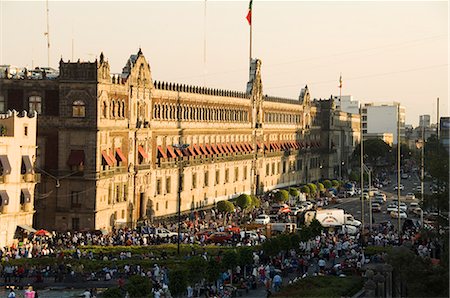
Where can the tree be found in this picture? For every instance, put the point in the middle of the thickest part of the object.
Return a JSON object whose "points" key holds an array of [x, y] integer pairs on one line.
{"points": [[335, 183], [225, 206], [230, 260], [293, 192], [212, 270], [256, 202], [244, 201], [281, 196], [196, 266], [312, 188], [305, 189], [374, 149], [327, 184], [138, 286], [320, 187]]}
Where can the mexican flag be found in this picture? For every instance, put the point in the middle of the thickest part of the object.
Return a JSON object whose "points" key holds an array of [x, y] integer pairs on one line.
{"points": [[249, 14]]}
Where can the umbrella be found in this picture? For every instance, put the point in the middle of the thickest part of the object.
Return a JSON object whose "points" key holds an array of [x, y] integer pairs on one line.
{"points": [[42, 233]]}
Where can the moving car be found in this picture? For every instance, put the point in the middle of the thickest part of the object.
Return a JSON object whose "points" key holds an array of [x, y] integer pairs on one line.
{"points": [[391, 207], [410, 196], [403, 206], [394, 214], [262, 219], [413, 206], [219, 237], [405, 176], [253, 235], [401, 187]]}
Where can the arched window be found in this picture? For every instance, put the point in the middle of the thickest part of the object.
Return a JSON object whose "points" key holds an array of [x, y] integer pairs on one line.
{"points": [[78, 109], [35, 104], [123, 109], [104, 110], [113, 109]]}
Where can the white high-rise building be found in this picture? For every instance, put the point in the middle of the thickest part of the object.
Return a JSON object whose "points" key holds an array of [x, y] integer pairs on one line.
{"points": [[424, 120], [378, 118], [347, 104]]}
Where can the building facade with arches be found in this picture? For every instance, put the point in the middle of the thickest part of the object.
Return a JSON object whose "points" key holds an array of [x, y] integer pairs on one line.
{"points": [[108, 143]]}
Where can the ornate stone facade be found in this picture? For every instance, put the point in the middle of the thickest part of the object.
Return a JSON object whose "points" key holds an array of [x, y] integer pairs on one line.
{"points": [[109, 139]]}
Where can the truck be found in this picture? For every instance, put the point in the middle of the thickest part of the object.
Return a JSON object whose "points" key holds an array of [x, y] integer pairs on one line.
{"points": [[331, 218]]}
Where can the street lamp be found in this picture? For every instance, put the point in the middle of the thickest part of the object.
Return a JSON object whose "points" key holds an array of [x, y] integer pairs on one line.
{"points": [[180, 188]]}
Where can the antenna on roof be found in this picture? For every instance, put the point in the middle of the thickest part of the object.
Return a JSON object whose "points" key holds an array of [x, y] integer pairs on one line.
{"points": [[48, 35]]}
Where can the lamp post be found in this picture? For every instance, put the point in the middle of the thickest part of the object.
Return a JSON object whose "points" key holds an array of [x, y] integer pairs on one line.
{"points": [[180, 188]]}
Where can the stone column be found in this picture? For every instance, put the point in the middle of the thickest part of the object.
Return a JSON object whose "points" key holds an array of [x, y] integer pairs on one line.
{"points": [[379, 280]]}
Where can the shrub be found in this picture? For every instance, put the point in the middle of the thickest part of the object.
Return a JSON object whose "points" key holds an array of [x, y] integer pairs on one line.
{"points": [[256, 202], [178, 282], [320, 187], [138, 286], [212, 270], [245, 256], [335, 183], [195, 267], [225, 206], [230, 260], [114, 292], [313, 188]]}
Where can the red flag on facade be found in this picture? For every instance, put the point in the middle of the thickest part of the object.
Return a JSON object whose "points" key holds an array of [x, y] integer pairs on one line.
{"points": [[249, 14]]}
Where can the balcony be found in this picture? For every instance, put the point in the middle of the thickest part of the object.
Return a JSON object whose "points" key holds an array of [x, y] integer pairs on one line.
{"points": [[30, 178]]}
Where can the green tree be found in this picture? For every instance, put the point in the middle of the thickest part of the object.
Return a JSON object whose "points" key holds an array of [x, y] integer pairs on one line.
{"points": [[305, 189], [245, 256], [293, 192], [230, 260], [244, 201], [320, 187], [212, 270], [256, 202], [313, 188], [225, 206], [281, 196], [335, 183], [113, 292], [327, 184], [375, 150], [355, 176]]}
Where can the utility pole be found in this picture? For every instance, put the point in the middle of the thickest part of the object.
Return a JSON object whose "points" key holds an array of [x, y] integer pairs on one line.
{"points": [[362, 170], [398, 170]]}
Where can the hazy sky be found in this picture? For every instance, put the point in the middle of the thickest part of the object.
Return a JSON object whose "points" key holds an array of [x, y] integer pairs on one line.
{"points": [[386, 51]]}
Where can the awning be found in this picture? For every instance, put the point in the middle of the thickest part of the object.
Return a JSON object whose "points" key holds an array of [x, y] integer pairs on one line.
{"points": [[161, 152], [107, 158], [221, 150], [4, 198], [216, 151], [121, 155], [239, 147], [26, 228], [178, 152], [225, 149], [235, 148], [171, 151], [191, 150], [204, 150], [230, 148], [76, 158], [142, 151], [5, 165], [26, 194], [197, 150], [112, 157], [210, 150], [250, 147], [27, 162]]}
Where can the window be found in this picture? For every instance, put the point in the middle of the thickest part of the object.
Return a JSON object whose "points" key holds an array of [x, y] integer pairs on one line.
{"points": [[267, 169], [78, 109], [194, 180], [168, 186], [206, 178], [125, 191], [157, 206], [273, 168], [245, 173], [236, 174], [75, 199], [227, 175], [2, 104], [158, 186], [104, 110], [75, 223], [217, 177], [25, 130], [123, 214], [167, 204], [117, 193], [35, 104]]}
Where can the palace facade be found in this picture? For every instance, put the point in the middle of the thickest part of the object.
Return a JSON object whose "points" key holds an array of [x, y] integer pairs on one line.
{"points": [[109, 145]]}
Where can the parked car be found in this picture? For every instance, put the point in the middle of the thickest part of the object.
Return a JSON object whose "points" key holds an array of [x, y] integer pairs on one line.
{"points": [[403, 206], [262, 219], [413, 206], [219, 237], [405, 176], [401, 187], [376, 207], [410, 196], [296, 210], [394, 214], [252, 235], [391, 207]]}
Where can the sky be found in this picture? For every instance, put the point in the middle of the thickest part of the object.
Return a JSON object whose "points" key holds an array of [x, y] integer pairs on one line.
{"points": [[385, 51]]}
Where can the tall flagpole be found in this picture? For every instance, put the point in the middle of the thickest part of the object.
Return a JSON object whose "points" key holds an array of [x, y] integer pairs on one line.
{"points": [[340, 90], [204, 45], [48, 35], [249, 19]]}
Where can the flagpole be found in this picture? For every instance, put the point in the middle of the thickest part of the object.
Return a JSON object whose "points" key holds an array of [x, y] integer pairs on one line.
{"points": [[251, 41]]}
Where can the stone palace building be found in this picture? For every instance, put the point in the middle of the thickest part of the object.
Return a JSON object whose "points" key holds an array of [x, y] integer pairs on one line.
{"points": [[109, 145]]}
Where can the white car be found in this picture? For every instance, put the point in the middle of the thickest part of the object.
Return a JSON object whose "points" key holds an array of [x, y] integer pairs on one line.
{"points": [[262, 219], [413, 206], [405, 176], [380, 197], [394, 214], [252, 235], [163, 233], [351, 230], [410, 196], [403, 206], [419, 188]]}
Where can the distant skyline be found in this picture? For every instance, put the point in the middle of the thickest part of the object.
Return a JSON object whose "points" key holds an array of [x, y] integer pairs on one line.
{"points": [[386, 51]]}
